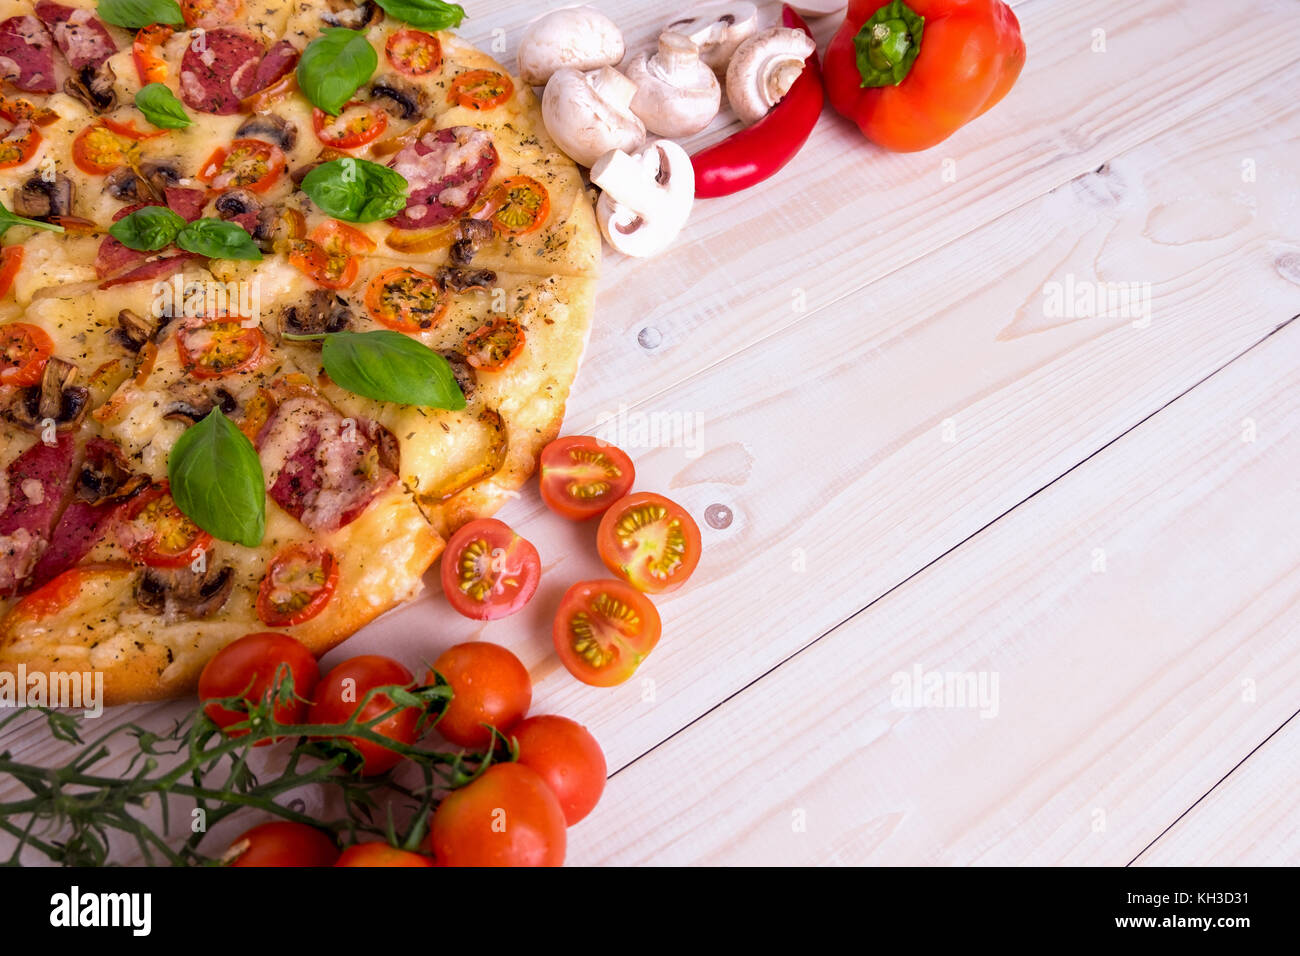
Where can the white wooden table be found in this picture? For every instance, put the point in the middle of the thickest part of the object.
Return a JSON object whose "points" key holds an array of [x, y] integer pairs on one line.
{"points": [[933, 474]]}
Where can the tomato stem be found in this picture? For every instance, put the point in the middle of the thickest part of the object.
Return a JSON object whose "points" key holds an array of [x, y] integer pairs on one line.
{"points": [[888, 44]]}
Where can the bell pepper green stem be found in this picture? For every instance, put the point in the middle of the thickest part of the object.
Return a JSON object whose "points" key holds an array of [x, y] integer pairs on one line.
{"points": [[888, 43]]}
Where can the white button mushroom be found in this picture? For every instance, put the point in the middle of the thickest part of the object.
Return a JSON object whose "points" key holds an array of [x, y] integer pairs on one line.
{"points": [[577, 37], [764, 68], [588, 114], [646, 197], [717, 29], [676, 94]]}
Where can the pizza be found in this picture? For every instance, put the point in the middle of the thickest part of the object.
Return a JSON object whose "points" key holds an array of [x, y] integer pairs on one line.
{"points": [[290, 290]]}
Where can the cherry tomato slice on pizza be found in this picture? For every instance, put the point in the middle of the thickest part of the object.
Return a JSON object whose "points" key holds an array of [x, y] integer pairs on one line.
{"points": [[406, 300], [251, 164], [98, 150], [581, 476], [159, 534], [219, 347], [480, 89], [211, 12], [149, 66], [358, 124], [297, 586], [604, 630], [24, 349], [650, 542], [492, 347], [330, 256], [488, 571], [414, 52], [19, 144], [519, 205], [11, 260]]}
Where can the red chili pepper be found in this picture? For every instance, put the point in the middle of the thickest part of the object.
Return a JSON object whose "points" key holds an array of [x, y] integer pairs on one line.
{"points": [[759, 151]]}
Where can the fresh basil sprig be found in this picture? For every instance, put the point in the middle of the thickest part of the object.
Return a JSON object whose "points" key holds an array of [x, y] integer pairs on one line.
{"points": [[8, 220], [429, 14], [356, 190], [216, 480], [333, 66], [134, 14], [217, 239], [148, 229], [389, 367], [161, 107]]}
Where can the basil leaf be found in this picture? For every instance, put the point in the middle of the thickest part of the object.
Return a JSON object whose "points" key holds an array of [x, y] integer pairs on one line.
{"points": [[333, 66], [356, 190], [161, 107], [430, 14], [391, 367], [217, 240], [9, 219], [135, 14], [216, 480], [147, 229]]}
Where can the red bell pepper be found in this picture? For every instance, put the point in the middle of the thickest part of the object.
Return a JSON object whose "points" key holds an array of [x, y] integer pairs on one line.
{"points": [[910, 74], [757, 152]]}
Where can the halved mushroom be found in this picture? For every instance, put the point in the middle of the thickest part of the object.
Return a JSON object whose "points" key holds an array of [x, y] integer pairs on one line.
{"points": [[717, 29], [764, 68], [677, 95], [270, 128], [236, 203], [193, 404], [183, 592], [147, 181], [463, 280], [41, 198], [94, 87], [320, 311], [578, 38], [401, 99], [106, 475], [134, 330], [55, 399], [588, 114], [468, 237], [354, 16], [464, 373], [646, 197]]}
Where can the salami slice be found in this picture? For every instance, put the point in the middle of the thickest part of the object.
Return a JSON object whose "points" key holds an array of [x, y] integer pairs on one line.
{"points": [[113, 257], [279, 60], [218, 70], [34, 488], [27, 55], [81, 36], [446, 171], [321, 468], [186, 202], [149, 270]]}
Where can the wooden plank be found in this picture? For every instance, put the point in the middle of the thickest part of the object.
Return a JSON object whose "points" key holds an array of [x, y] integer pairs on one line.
{"points": [[1252, 818], [1112, 619]]}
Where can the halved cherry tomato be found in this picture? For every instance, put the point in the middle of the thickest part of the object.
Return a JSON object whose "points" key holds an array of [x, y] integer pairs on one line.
{"points": [[488, 571], [158, 533], [98, 149], [341, 692], [327, 258], [467, 828], [519, 205], [298, 584], [216, 347], [381, 854], [489, 686], [414, 52], [406, 300], [567, 757], [480, 89], [24, 349], [358, 124], [492, 347], [19, 111], [88, 582], [650, 542], [252, 666], [252, 164], [11, 260], [19, 144], [129, 131], [211, 13], [283, 843], [604, 630], [149, 66], [582, 476]]}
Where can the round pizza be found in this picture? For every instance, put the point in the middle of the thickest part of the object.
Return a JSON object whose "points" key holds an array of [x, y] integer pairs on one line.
{"points": [[289, 291]]}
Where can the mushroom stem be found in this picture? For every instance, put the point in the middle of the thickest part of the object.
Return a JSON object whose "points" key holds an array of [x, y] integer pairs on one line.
{"points": [[613, 87], [677, 53]]}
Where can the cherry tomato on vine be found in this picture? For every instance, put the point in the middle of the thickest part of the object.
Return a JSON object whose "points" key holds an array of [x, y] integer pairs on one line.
{"points": [[488, 571], [506, 817], [567, 757], [342, 690], [381, 854], [604, 630], [650, 542], [582, 476], [252, 665], [490, 686], [283, 843]]}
